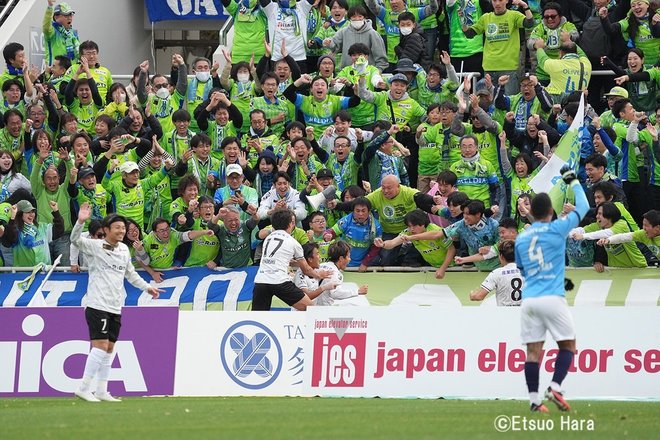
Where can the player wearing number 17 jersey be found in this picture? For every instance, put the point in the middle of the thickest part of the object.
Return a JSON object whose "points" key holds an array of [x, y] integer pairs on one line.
{"points": [[272, 278], [540, 256]]}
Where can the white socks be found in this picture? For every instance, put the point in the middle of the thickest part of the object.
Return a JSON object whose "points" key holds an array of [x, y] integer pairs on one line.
{"points": [[103, 374], [92, 366]]}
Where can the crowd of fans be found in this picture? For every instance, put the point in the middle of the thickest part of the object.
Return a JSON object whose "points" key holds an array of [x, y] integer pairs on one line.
{"points": [[357, 116]]}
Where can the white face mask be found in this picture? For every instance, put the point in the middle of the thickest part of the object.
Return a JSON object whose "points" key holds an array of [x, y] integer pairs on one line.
{"points": [[163, 93], [357, 24], [202, 76], [405, 30], [243, 77]]}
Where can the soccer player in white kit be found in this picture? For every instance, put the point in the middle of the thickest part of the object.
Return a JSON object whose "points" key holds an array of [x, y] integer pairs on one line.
{"points": [[108, 262], [540, 256], [506, 281], [272, 278]]}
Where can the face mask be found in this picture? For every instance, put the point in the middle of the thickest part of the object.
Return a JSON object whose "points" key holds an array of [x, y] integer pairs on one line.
{"points": [[163, 93], [405, 30], [243, 77], [202, 76], [357, 24]]}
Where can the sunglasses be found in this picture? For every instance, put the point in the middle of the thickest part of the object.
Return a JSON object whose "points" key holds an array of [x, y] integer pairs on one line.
{"points": [[551, 16]]}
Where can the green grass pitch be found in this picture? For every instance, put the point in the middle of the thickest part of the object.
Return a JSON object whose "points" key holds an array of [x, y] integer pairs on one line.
{"points": [[317, 418]]}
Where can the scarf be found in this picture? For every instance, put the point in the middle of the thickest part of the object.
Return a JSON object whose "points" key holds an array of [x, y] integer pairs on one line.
{"points": [[5, 181], [90, 194], [296, 22], [13, 70], [264, 182], [192, 89], [341, 170], [69, 39], [471, 164], [388, 164]]}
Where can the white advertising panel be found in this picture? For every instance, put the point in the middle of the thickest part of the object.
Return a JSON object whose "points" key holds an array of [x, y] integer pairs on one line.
{"points": [[240, 354], [475, 353]]}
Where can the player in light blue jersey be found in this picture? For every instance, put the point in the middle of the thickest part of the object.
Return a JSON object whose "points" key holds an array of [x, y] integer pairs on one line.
{"points": [[540, 256]]}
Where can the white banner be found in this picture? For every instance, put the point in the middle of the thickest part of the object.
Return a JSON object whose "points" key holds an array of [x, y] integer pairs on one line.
{"points": [[474, 353], [240, 354]]}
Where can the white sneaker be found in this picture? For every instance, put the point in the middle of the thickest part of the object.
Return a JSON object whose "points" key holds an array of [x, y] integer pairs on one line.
{"points": [[86, 396], [106, 397]]}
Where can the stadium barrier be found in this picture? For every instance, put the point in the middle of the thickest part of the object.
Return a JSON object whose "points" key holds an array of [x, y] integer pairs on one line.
{"points": [[200, 288], [427, 352]]}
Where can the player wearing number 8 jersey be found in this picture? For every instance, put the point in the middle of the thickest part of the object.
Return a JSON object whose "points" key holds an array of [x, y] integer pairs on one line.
{"points": [[506, 281], [540, 256], [272, 278]]}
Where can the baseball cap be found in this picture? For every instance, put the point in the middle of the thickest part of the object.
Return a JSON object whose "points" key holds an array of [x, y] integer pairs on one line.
{"points": [[481, 88], [25, 206], [526, 76], [399, 77], [617, 91], [324, 173], [128, 167], [84, 172], [234, 169], [63, 9], [405, 65]]}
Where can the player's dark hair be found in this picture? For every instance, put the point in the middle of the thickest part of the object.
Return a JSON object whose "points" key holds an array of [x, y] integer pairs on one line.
{"points": [[181, 115], [357, 10], [653, 217], [343, 116], [10, 51], [11, 112], [608, 188], [525, 158], [597, 160], [117, 132], [508, 223], [159, 221], [406, 16], [199, 140], [354, 191], [282, 174], [65, 61], [107, 120], [94, 227], [281, 219], [417, 217], [457, 198], [186, 181], [113, 218], [358, 48], [541, 206], [338, 249], [230, 140], [618, 107], [361, 201], [506, 249], [308, 249], [448, 105], [447, 177], [475, 207], [610, 211], [88, 45]]}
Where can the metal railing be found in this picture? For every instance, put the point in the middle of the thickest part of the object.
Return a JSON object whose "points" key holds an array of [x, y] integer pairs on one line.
{"points": [[6, 10]]}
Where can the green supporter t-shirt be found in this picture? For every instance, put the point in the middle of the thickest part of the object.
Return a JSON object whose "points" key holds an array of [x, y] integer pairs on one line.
{"points": [[202, 91], [502, 39], [249, 30], [425, 96], [161, 254], [102, 78], [320, 114], [391, 212], [552, 39], [364, 113], [451, 149], [217, 133], [157, 200], [434, 252], [273, 109], [235, 247], [323, 247], [162, 109], [390, 21], [406, 111], [430, 155], [463, 12], [204, 248], [488, 145], [241, 95], [43, 197], [632, 156], [623, 254], [474, 179], [269, 140], [31, 251], [644, 40], [652, 243], [129, 202], [520, 186], [298, 234], [97, 199], [86, 115]]}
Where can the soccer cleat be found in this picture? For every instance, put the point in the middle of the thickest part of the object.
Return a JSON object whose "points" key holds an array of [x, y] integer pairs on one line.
{"points": [[558, 399], [86, 396], [106, 397], [539, 408]]}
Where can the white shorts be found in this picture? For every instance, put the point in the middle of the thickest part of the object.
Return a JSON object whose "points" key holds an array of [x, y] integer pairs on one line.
{"points": [[546, 313]]}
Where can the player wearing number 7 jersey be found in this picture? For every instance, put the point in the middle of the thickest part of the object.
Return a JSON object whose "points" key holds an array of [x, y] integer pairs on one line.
{"points": [[540, 256], [272, 278]]}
